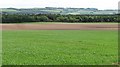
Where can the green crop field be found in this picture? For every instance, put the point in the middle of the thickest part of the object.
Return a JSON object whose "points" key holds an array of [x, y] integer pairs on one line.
{"points": [[0, 48], [59, 47]]}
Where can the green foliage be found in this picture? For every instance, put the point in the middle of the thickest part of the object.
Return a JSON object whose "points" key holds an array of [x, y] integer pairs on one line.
{"points": [[42, 18], [61, 47], [17, 18]]}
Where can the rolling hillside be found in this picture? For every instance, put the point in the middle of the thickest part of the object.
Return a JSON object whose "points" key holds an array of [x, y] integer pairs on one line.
{"points": [[55, 10]]}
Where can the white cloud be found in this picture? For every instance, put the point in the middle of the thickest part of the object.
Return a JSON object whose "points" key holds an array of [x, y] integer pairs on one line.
{"points": [[101, 4]]}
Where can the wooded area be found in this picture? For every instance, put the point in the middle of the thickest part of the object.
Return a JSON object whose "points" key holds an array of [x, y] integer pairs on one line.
{"points": [[17, 18]]}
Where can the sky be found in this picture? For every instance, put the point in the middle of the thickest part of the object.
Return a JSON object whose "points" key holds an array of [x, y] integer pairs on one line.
{"points": [[100, 4]]}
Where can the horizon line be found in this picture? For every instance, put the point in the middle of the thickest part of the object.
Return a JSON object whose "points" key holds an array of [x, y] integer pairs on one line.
{"points": [[57, 7]]}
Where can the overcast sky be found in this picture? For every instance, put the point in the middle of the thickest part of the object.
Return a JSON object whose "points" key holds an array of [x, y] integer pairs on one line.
{"points": [[100, 4]]}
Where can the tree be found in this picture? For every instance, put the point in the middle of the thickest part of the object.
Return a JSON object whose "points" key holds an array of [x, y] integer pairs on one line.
{"points": [[42, 18]]}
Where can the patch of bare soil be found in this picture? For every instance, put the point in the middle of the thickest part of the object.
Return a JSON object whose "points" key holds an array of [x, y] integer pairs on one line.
{"points": [[58, 26]]}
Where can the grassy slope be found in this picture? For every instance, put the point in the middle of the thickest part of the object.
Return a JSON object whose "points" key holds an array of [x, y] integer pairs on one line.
{"points": [[59, 47]]}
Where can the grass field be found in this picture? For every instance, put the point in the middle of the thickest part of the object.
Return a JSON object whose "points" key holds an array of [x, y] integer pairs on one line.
{"points": [[0, 47], [58, 47]]}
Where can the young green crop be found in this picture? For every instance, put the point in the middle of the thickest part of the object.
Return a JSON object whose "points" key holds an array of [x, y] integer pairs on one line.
{"points": [[60, 47]]}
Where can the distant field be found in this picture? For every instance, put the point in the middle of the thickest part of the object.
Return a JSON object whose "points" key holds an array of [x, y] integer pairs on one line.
{"points": [[48, 47]]}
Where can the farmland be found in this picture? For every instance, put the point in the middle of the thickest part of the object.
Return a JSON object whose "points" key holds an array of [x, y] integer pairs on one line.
{"points": [[60, 47], [60, 26], [59, 32], [0, 47]]}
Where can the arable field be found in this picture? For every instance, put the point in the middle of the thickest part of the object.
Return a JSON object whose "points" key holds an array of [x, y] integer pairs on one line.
{"points": [[61, 26], [60, 47]]}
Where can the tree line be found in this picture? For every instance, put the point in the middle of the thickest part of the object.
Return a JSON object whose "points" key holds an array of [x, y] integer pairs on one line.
{"points": [[17, 18]]}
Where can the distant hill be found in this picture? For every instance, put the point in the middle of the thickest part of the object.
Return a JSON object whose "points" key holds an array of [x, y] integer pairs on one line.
{"points": [[59, 10]]}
